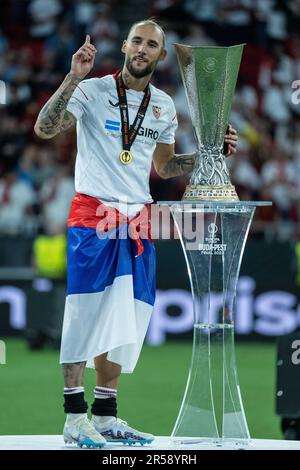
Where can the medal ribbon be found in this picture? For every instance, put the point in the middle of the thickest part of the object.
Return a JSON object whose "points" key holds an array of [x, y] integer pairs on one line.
{"points": [[129, 134]]}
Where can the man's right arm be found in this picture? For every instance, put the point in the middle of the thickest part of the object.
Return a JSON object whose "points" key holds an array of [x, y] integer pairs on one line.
{"points": [[54, 117]]}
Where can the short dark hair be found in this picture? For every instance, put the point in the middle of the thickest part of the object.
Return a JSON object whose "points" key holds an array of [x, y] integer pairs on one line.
{"points": [[153, 22]]}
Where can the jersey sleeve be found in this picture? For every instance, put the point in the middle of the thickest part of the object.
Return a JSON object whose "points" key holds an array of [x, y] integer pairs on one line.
{"points": [[167, 136], [78, 102]]}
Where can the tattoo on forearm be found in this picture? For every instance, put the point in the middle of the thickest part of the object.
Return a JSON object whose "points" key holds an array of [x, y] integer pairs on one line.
{"points": [[179, 165], [54, 116], [73, 374]]}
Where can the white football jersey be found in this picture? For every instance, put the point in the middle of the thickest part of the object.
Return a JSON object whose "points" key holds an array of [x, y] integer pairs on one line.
{"points": [[98, 170]]}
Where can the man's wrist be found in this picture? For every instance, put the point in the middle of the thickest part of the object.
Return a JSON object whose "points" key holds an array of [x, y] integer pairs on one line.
{"points": [[74, 78], [185, 155]]}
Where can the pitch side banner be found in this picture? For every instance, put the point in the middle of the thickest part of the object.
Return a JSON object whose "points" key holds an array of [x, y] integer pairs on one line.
{"points": [[267, 301]]}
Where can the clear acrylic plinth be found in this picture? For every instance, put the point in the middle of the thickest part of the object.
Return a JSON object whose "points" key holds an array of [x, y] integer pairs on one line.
{"points": [[212, 408]]}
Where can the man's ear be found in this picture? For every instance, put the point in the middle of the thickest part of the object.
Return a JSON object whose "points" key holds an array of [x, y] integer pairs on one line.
{"points": [[123, 48], [163, 54]]}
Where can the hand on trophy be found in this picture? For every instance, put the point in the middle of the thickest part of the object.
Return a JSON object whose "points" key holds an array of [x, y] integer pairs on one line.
{"points": [[230, 141]]}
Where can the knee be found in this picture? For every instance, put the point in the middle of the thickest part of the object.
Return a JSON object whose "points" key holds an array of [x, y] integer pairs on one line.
{"points": [[108, 371], [107, 374]]}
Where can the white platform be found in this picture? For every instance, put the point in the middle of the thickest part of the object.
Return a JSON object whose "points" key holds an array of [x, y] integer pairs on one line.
{"points": [[52, 442]]}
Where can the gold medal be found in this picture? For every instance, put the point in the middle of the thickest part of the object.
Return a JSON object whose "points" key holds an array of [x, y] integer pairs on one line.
{"points": [[126, 157]]}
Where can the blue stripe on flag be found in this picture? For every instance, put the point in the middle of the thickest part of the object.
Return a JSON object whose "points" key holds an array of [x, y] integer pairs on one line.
{"points": [[114, 123], [111, 128], [94, 263]]}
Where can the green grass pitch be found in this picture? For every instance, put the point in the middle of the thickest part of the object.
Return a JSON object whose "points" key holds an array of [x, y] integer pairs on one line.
{"points": [[149, 399]]}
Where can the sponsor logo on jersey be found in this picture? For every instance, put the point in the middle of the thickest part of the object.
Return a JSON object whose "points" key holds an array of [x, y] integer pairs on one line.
{"points": [[143, 131], [115, 105], [156, 111], [150, 133], [112, 125]]}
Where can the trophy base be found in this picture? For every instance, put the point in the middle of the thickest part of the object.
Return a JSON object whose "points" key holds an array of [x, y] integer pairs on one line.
{"points": [[198, 192]]}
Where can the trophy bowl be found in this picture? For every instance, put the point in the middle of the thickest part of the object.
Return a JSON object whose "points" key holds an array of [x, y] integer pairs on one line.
{"points": [[209, 76]]}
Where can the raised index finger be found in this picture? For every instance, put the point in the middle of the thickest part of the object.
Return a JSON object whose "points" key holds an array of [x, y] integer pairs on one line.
{"points": [[88, 39]]}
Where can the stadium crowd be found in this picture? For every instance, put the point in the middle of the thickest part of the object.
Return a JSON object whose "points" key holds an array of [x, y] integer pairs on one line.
{"points": [[37, 40]]}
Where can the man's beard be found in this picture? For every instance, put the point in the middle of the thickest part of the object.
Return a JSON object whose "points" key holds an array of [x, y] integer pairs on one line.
{"points": [[139, 73]]}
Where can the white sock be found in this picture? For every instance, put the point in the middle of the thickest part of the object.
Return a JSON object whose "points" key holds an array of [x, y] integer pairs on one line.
{"points": [[72, 390], [74, 416], [105, 392], [103, 420]]}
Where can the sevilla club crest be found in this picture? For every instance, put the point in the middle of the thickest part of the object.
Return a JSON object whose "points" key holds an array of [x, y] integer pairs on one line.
{"points": [[156, 111]]}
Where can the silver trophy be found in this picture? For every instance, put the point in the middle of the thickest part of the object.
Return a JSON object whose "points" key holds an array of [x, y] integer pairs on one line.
{"points": [[212, 413], [209, 76]]}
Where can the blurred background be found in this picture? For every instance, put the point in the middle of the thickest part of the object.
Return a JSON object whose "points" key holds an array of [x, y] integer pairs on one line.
{"points": [[37, 40]]}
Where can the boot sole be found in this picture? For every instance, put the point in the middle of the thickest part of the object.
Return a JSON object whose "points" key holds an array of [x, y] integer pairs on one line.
{"points": [[85, 443], [131, 441]]}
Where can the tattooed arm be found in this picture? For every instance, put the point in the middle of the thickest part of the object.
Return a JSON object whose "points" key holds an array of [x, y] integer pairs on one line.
{"points": [[168, 165], [54, 117]]}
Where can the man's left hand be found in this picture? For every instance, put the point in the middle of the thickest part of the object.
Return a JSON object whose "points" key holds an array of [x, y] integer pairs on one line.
{"points": [[231, 139]]}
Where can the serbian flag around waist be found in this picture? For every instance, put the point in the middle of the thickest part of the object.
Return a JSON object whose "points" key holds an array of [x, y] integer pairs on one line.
{"points": [[104, 244]]}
